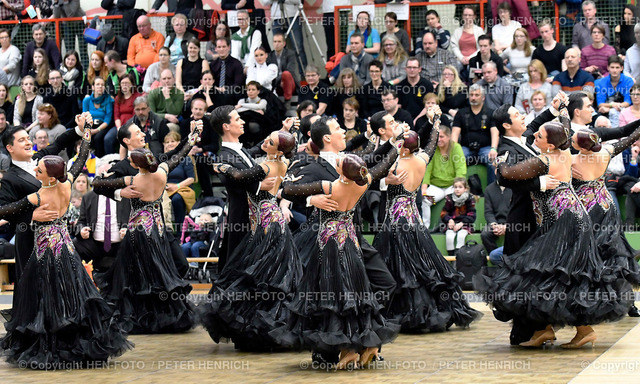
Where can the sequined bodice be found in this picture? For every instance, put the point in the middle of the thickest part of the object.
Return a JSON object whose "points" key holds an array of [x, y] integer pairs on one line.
{"points": [[52, 235], [264, 210], [592, 193], [337, 225], [548, 206], [401, 203], [145, 214]]}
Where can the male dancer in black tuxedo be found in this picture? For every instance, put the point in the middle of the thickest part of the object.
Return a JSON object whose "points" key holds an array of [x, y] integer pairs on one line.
{"points": [[131, 137], [19, 181], [228, 124], [327, 135]]}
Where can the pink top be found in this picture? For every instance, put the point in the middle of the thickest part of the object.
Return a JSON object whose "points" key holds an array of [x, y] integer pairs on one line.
{"points": [[597, 57], [626, 117], [467, 44]]}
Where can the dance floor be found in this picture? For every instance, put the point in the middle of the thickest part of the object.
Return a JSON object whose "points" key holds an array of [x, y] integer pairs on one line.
{"points": [[479, 354]]}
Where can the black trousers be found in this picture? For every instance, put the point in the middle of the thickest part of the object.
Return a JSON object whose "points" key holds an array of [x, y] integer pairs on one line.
{"points": [[92, 250]]}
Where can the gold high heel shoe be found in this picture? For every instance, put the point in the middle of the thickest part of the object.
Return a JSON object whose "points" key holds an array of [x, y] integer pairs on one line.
{"points": [[578, 343], [540, 337], [367, 356], [347, 358]]}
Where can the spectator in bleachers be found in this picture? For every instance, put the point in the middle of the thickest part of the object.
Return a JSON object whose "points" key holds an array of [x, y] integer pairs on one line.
{"points": [[199, 237], [118, 69], [581, 36], [452, 92], [221, 30], [40, 139], [179, 181], [152, 75], [412, 89], [464, 41], [5, 103], [208, 92], [117, 7], [394, 60], [286, 22], [433, 24], [434, 59], [228, 71], [123, 104], [288, 77], [594, 55], [624, 30], [49, 122], [262, 72], [390, 105], [430, 100], [39, 70], [177, 40], [458, 215], [97, 68], [73, 75], [347, 86], [89, 168], [144, 45], [371, 37], [357, 59], [9, 9], [189, 69], [613, 91], [632, 57], [503, 32], [207, 147], [112, 42], [373, 90], [81, 184], [448, 163], [391, 26], [25, 111], [306, 108], [10, 57], [519, 52], [64, 102], [537, 82], [485, 54], [153, 126], [632, 113], [351, 122], [252, 110], [167, 100], [245, 41], [551, 53], [473, 127], [40, 40], [100, 104], [179, 6], [496, 89], [573, 79], [317, 91], [538, 102], [497, 200]]}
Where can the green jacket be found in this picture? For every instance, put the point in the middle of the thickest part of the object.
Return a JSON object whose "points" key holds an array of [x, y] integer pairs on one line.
{"points": [[161, 106], [440, 172]]}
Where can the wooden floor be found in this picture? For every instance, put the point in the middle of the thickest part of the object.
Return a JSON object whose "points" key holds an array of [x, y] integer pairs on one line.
{"points": [[479, 354]]}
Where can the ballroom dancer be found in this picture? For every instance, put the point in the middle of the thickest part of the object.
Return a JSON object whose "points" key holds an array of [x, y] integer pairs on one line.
{"points": [[589, 167], [557, 277], [59, 320], [334, 308], [143, 283], [428, 297], [264, 268]]}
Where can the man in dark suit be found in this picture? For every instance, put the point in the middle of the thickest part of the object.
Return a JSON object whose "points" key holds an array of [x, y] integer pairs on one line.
{"points": [[329, 138], [288, 73], [19, 181], [131, 137], [228, 72], [96, 222], [228, 124]]}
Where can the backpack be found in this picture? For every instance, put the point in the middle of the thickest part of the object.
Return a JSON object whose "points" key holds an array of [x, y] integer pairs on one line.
{"points": [[470, 259]]}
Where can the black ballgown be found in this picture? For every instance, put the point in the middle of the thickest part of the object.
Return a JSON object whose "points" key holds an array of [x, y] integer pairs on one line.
{"points": [[247, 301]]}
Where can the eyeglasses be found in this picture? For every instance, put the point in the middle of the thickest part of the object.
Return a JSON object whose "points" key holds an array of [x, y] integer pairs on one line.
{"points": [[635, 95], [410, 68], [390, 45], [4, 37]]}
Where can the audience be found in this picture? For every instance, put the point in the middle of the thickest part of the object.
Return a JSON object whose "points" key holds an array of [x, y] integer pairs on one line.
{"points": [[452, 93], [484, 55], [288, 77], [262, 72], [25, 111], [391, 25], [632, 57], [551, 53], [370, 36], [573, 79], [433, 24], [464, 41], [357, 59], [412, 89], [10, 57], [434, 59], [537, 82], [497, 90], [100, 104], [40, 40], [152, 75], [518, 54], [123, 105], [145, 45], [503, 33], [458, 215], [177, 40], [317, 91], [179, 181], [594, 55], [167, 100], [111, 42], [394, 60], [221, 31], [613, 90], [581, 36], [245, 41], [189, 69]]}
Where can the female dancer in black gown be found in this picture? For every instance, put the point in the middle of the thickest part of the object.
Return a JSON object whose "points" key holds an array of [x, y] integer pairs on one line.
{"points": [[334, 308], [143, 283], [60, 321], [428, 296], [591, 164], [247, 300], [557, 277]]}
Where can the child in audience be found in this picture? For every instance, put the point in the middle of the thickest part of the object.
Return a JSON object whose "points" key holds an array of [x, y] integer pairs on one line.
{"points": [[458, 214], [199, 237]]}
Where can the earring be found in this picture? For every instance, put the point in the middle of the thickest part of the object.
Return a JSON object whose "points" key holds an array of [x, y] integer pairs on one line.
{"points": [[548, 151]]}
